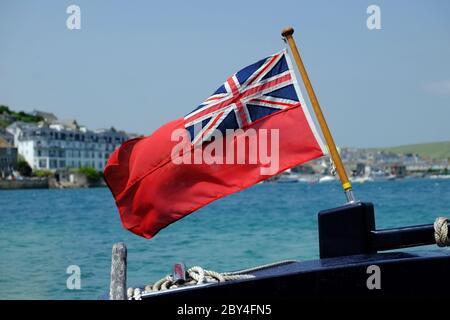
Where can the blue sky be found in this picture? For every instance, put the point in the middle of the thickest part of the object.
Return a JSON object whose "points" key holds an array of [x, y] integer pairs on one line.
{"points": [[138, 64]]}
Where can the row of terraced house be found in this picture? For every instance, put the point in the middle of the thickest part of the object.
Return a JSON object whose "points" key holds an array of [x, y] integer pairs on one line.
{"points": [[53, 144]]}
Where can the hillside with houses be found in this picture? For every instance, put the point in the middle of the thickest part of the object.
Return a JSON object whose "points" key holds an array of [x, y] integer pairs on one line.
{"points": [[40, 146], [38, 149]]}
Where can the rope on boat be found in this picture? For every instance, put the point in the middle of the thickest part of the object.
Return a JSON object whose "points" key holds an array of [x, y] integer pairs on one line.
{"points": [[332, 168], [197, 275], [441, 232]]}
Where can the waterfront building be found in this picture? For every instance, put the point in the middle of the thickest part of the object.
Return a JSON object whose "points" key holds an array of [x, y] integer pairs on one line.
{"points": [[61, 145], [6, 136], [398, 170], [47, 116], [8, 159]]}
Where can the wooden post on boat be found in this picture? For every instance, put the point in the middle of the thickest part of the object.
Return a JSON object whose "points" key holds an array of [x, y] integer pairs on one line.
{"points": [[346, 185], [118, 286]]}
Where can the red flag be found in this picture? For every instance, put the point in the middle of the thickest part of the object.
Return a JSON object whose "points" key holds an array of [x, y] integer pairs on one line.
{"points": [[253, 127]]}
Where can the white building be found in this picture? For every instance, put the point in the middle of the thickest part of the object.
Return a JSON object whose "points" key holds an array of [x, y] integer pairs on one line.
{"points": [[61, 145]]}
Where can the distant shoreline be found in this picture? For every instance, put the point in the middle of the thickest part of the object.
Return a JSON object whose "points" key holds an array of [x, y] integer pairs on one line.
{"points": [[45, 183], [29, 184]]}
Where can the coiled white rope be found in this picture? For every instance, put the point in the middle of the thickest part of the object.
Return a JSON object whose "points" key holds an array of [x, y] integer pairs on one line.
{"points": [[441, 232], [197, 275]]}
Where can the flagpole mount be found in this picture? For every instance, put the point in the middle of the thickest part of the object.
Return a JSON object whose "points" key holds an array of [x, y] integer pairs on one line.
{"points": [[289, 31], [334, 154]]}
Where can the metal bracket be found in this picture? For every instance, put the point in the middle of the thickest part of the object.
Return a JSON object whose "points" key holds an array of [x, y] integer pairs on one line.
{"points": [[179, 273]]}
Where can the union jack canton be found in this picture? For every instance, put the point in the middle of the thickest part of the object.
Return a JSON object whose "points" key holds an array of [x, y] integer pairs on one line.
{"points": [[251, 94]]}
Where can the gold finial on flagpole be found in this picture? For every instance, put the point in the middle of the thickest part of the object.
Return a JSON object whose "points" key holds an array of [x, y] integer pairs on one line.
{"points": [[334, 154]]}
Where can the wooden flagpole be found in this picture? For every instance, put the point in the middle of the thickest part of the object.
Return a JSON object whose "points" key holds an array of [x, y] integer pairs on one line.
{"points": [[287, 34]]}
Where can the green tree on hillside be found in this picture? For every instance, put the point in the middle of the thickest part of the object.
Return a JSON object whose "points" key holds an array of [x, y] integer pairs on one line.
{"points": [[91, 174], [4, 109], [23, 167], [18, 116]]}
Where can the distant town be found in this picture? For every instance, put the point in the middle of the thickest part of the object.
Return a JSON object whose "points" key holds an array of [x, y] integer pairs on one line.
{"points": [[364, 165], [38, 150]]}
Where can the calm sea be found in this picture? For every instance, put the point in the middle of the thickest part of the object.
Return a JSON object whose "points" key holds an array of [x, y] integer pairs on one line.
{"points": [[45, 231]]}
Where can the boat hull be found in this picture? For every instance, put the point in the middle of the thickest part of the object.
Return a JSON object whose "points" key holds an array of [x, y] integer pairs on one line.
{"points": [[401, 275]]}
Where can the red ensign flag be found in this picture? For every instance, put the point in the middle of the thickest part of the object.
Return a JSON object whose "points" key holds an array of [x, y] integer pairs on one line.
{"points": [[254, 126]]}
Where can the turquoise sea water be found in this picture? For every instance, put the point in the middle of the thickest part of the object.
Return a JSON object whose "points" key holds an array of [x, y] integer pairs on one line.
{"points": [[42, 232]]}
